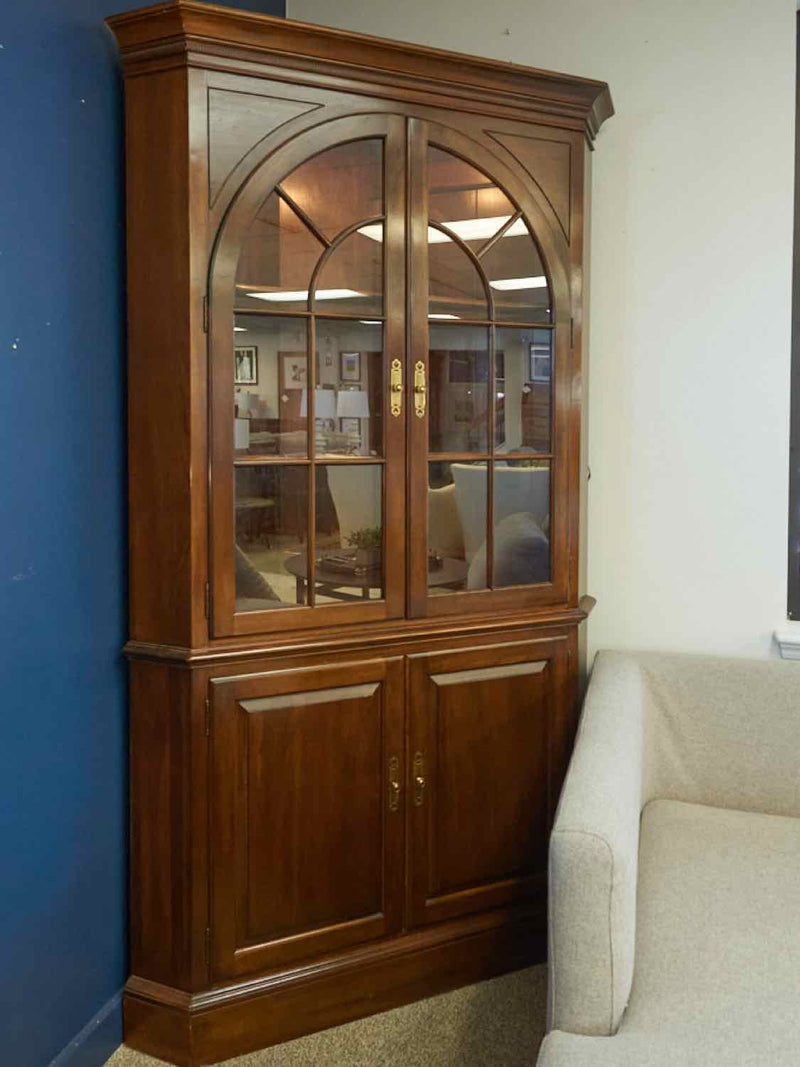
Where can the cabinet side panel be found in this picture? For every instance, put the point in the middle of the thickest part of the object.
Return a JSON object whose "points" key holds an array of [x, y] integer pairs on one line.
{"points": [[158, 357], [168, 899], [583, 196]]}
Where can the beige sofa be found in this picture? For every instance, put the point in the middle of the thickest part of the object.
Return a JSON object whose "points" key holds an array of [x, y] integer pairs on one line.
{"points": [[675, 869]]}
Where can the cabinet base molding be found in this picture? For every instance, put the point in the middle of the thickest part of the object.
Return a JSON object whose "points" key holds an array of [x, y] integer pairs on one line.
{"points": [[231, 1020]]}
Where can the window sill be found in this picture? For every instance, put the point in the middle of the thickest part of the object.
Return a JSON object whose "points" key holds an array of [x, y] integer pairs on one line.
{"points": [[788, 640]]}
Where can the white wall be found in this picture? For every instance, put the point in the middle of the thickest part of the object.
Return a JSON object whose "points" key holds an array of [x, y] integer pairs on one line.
{"points": [[691, 275]]}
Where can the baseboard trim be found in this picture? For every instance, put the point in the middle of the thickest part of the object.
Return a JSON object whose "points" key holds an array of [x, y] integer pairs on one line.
{"points": [[248, 1017], [101, 1036]]}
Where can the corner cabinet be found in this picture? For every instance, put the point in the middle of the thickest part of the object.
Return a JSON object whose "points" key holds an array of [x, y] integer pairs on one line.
{"points": [[356, 275]]}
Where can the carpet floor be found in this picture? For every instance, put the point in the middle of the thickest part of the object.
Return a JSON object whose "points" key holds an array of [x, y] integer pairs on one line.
{"points": [[493, 1024]]}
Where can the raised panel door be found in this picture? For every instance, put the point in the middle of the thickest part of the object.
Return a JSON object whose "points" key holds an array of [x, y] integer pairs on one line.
{"points": [[307, 822], [480, 764]]}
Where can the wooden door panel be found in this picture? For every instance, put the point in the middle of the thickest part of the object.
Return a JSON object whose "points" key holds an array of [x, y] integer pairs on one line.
{"points": [[478, 800], [307, 827], [333, 868], [481, 740]]}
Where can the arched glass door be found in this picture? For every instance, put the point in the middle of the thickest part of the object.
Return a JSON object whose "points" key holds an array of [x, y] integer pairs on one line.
{"points": [[483, 366], [384, 387], [308, 457]]}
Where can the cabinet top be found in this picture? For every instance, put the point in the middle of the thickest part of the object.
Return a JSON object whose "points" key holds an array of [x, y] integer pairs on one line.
{"points": [[186, 32]]}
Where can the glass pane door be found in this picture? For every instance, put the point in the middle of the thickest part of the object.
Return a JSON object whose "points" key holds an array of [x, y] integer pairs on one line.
{"points": [[314, 532], [485, 438]]}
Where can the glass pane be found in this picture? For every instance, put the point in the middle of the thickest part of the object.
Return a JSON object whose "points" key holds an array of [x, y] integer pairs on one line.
{"points": [[270, 367], [523, 361], [521, 523], [517, 279], [456, 288], [464, 200], [349, 409], [458, 389], [271, 520], [349, 537], [340, 186], [456, 526], [351, 281], [278, 257]]}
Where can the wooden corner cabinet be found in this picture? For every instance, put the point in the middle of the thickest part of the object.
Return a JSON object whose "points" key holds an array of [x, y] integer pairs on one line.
{"points": [[357, 287]]}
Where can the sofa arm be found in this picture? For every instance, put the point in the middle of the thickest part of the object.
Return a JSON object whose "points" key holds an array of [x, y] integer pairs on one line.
{"points": [[593, 856]]}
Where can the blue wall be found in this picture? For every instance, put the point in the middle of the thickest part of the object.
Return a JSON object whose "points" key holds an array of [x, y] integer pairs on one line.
{"points": [[63, 746]]}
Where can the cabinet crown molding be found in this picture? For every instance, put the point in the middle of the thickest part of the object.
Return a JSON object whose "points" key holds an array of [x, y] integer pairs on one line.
{"points": [[199, 33]]}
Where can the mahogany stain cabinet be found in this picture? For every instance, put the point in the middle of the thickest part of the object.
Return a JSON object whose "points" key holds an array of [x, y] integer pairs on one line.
{"points": [[357, 286]]}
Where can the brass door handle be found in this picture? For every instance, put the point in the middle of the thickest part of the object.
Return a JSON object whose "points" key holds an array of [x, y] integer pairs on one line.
{"points": [[420, 389], [394, 783], [396, 387], [418, 771]]}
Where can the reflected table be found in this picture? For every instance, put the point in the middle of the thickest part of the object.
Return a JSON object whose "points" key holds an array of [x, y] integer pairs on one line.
{"points": [[336, 583]]}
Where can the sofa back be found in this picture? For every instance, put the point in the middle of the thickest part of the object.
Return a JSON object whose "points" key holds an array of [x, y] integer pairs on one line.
{"points": [[719, 731]]}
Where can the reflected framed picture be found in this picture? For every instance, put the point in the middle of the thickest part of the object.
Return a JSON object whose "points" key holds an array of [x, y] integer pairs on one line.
{"points": [[541, 363], [245, 365], [294, 371], [350, 366]]}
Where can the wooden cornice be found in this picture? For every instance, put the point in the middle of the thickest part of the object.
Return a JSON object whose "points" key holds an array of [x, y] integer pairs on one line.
{"points": [[207, 30]]}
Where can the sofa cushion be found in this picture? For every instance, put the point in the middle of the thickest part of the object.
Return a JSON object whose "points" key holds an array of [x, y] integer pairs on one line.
{"points": [[251, 583], [521, 554], [717, 975]]}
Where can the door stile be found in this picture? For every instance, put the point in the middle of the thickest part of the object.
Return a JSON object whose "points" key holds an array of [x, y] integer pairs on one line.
{"points": [[394, 347], [417, 258]]}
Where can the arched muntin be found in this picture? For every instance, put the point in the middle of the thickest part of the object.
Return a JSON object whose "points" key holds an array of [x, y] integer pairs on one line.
{"points": [[334, 245], [549, 238], [475, 262], [287, 157], [273, 170], [549, 241]]}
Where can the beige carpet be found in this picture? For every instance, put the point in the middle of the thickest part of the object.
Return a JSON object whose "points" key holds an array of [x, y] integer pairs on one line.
{"points": [[493, 1024]]}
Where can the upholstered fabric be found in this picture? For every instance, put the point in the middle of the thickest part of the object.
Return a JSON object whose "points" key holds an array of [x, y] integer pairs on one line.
{"points": [[593, 857], [516, 489], [709, 748], [717, 977], [445, 534], [521, 554], [356, 494], [251, 583]]}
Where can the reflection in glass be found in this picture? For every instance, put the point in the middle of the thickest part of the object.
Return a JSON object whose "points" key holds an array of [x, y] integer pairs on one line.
{"points": [[277, 259], [458, 388], [464, 200], [351, 280], [270, 371], [350, 373], [456, 287], [349, 533], [456, 525], [271, 517], [523, 384], [517, 279], [340, 186], [521, 523]]}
